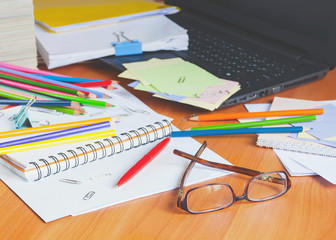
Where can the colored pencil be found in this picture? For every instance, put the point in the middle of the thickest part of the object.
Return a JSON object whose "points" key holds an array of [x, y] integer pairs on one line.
{"points": [[85, 101], [27, 70], [59, 141], [7, 93], [56, 134], [29, 87], [46, 80], [58, 103], [12, 79], [229, 116], [69, 79], [213, 132], [54, 127], [103, 83], [258, 123]]}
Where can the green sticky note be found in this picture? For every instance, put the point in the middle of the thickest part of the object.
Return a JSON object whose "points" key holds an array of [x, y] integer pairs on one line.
{"points": [[183, 78]]}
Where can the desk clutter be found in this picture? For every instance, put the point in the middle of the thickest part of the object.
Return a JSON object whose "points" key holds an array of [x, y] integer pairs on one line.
{"points": [[181, 81], [78, 159]]}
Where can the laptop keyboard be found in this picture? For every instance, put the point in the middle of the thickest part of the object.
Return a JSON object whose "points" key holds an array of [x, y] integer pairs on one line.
{"points": [[230, 61]]}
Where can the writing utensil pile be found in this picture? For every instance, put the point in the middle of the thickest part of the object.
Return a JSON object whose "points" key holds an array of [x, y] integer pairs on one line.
{"points": [[53, 91], [55, 134], [254, 127]]}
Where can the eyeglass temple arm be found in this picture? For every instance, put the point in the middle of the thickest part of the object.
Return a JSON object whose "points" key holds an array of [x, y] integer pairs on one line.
{"points": [[231, 168], [187, 171]]}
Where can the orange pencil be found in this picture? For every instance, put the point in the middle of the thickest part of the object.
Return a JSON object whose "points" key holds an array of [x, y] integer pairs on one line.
{"points": [[230, 116]]}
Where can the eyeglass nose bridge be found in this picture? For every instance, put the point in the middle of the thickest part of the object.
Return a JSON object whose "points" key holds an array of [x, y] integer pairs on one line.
{"points": [[238, 198]]}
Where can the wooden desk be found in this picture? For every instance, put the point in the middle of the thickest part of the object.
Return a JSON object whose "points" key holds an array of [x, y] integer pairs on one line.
{"points": [[307, 211]]}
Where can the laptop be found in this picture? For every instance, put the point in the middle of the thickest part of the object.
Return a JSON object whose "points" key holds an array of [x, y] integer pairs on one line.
{"points": [[267, 46]]}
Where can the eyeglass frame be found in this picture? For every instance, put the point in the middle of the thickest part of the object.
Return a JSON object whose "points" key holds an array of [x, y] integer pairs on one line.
{"points": [[182, 201]]}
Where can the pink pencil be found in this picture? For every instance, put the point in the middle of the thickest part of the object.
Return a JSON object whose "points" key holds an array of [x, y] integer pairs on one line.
{"points": [[28, 70], [30, 87]]}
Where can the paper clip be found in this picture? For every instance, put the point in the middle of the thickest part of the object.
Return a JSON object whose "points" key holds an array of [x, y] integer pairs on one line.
{"points": [[181, 79], [21, 119], [128, 47]]}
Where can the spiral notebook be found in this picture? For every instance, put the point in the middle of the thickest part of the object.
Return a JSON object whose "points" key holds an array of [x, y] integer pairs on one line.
{"points": [[50, 161], [284, 141]]}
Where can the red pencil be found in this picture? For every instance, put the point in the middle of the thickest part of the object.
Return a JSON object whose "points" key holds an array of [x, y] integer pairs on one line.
{"points": [[143, 162], [102, 83]]}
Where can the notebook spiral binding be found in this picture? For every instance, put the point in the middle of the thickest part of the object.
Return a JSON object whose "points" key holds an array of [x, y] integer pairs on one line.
{"points": [[303, 147], [81, 155]]}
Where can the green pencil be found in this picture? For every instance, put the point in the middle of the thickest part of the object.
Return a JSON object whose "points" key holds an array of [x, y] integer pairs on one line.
{"points": [[258, 123], [41, 84], [66, 110], [85, 101]]}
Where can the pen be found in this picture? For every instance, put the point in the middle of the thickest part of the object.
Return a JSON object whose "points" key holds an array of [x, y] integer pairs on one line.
{"points": [[143, 162]]}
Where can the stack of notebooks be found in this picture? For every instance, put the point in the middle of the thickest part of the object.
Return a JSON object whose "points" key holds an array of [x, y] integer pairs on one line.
{"points": [[17, 35], [90, 30], [181, 81], [312, 152]]}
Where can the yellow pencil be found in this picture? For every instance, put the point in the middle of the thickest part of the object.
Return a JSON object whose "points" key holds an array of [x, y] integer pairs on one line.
{"points": [[59, 141], [53, 127]]}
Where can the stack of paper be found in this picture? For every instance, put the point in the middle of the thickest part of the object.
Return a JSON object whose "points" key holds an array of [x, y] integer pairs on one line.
{"points": [[156, 33], [17, 36], [181, 81], [65, 15], [311, 152]]}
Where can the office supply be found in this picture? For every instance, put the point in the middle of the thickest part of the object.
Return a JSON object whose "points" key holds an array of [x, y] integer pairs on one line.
{"points": [[17, 34], [56, 134], [29, 87], [53, 127], [257, 123], [184, 82], [284, 141], [128, 47], [85, 101], [103, 144], [38, 102], [50, 81], [102, 83], [229, 116], [143, 162], [257, 44], [156, 33], [212, 132], [21, 119], [54, 142], [59, 16], [21, 82]]}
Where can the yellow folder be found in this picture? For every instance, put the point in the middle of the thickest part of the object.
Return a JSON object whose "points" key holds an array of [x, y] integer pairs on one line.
{"points": [[65, 15]]}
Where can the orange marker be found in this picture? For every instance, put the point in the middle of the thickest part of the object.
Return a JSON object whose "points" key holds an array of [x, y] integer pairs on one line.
{"points": [[229, 116]]}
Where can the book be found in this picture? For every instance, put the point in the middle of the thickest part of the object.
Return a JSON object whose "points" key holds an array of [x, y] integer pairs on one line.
{"points": [[66, 15], [52, 160], [288, 142]]}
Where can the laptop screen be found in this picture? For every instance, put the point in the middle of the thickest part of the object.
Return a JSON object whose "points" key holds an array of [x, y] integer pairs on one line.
{"points": [[309, 25]]}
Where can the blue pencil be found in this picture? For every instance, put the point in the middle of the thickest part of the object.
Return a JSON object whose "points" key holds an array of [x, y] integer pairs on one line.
{"points": [[64, 84], [195, 133], [37, 102], [56, 134], [67, 79]]}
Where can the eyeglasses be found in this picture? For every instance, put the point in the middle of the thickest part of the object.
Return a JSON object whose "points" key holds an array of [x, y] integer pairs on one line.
{"points": [[217, 196]]}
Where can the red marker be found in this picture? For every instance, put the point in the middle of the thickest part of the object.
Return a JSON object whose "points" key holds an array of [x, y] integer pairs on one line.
{"points": [[143, 162]]}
